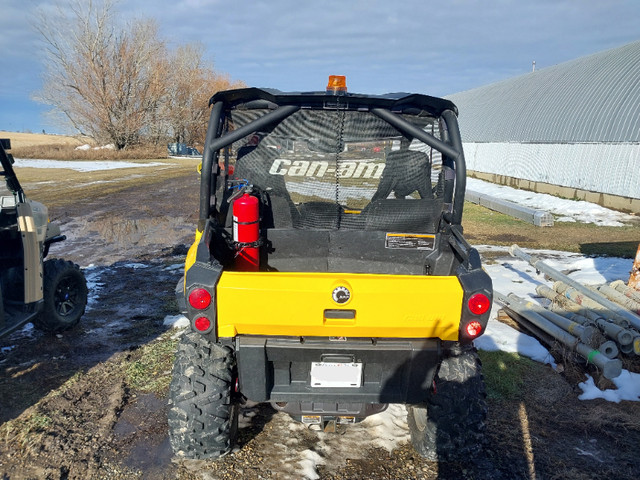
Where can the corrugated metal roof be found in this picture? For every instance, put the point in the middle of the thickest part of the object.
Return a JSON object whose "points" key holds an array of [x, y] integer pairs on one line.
{"points": [[591, 99]]}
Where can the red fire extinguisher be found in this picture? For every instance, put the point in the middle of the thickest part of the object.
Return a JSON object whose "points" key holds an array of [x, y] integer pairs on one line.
{"points": [[246, 233]]}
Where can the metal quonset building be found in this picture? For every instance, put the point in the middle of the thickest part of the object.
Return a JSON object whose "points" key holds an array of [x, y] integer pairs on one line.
{"points": [[572, 129]]}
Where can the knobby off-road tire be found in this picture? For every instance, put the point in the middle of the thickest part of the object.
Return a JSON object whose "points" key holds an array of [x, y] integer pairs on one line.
{"points": [[450, 425], [65, 296], [203, 414]]}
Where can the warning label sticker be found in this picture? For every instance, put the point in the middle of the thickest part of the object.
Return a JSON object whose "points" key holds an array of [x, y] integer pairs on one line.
{"points": [[414, 241]]}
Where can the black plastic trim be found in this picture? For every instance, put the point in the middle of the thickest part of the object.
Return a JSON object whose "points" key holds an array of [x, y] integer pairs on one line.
{"points": [[398, 102], [394, 370]]}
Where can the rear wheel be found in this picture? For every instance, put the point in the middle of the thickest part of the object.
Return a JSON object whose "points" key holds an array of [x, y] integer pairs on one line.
{"points": [[65, 296], [450, 424], [203, 413]]}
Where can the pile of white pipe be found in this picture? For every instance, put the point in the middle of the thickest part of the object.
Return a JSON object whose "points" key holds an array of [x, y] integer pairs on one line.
{"points": [[598, 323]]}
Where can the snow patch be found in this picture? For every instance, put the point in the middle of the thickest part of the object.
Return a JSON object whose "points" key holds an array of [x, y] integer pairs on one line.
{"points": [[7, 349], [499, 336], [173, 268], [86, 146], [628, 384], [176, 321], [136, 266], [567, 210], [92, 275], [309, 463], [83, 166]]}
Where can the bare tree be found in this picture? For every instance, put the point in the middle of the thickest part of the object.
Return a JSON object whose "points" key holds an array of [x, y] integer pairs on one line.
{"points": [[214, 82], [192, 81], [118, 83], [106, 79]]}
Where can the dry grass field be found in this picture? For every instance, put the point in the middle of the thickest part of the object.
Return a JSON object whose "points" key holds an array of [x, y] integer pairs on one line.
{"points": [[22, 140], [63, 147]]}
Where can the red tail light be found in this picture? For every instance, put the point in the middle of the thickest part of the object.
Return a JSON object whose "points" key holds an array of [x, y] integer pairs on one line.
{"points": [[202, 324], [479, 304], [200, 298], [474, 328]]}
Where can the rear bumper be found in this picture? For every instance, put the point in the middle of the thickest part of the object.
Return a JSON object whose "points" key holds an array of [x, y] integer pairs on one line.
{"points": [[278, 369]]}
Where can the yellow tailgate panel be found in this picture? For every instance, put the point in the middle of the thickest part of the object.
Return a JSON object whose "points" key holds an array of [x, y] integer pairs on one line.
{"points": [[282, 303]]}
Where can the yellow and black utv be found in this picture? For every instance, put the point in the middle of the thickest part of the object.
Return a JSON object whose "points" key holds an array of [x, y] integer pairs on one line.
{"points": [[329, 274], [51, 294]]}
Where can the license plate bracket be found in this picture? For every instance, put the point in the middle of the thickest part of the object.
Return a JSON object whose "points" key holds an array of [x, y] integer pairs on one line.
{"points": [[336, 374]]}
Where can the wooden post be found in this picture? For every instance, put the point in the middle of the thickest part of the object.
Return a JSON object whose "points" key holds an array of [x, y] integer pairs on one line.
{"points": [[634, 278]]}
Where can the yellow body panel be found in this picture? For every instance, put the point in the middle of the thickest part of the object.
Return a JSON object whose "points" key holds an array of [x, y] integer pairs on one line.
{"points": [[279, 303], [191, 254]]}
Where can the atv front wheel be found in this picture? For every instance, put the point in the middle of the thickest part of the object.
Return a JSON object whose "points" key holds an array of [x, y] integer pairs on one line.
{"points": [[450, 424], [203, 414], [65, 296]]}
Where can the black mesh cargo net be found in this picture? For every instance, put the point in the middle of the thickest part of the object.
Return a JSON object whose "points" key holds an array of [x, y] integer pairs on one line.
{"points": [[339, 169]]}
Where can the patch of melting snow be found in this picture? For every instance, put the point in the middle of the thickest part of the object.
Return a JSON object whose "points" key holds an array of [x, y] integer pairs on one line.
{"points": [[27, 331], [499, 336], [293, 457], [97, 182], [136, 266], [627, 383], [566, 210], [6, 349], [175, 267], [176, 321], [92, 274], [83, 166], [309, 464]]}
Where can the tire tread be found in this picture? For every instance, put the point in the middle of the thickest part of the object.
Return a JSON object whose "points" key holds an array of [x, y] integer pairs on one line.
{"points": [[202, 414], [455, 413]]}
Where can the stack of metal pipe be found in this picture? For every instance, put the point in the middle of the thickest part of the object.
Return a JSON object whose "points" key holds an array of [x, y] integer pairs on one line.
{"points": [[597, 323]]}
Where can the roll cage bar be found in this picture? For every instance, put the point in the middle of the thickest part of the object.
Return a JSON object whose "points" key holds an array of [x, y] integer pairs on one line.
{"points": [[282, 105], [6, 160]]}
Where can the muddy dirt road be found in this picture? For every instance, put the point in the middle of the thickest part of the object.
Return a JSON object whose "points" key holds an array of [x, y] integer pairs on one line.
{"points": [[91, 403]]}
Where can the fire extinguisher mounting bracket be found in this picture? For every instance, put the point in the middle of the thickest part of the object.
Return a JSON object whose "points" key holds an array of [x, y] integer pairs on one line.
{"points": [[240, 245], [241, 187]]}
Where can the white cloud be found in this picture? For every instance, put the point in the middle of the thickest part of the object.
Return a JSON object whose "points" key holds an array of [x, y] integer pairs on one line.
{"points": [[436, 48]]}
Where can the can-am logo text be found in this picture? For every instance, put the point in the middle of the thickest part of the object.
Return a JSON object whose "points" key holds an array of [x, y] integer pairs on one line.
{"points": [[318, 168]]}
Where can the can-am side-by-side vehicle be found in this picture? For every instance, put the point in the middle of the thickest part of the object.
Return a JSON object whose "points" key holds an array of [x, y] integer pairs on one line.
{"points": [[329, 274]]}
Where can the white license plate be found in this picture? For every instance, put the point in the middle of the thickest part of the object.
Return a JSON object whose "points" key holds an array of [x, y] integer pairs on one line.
{"points": [[329, 374]]}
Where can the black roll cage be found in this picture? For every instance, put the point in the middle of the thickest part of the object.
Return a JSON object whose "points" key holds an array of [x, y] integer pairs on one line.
{"points": [[6, 160], [282, 105]]}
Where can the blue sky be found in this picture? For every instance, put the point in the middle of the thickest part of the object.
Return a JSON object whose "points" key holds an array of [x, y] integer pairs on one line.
{"points": [[438, 48]]}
